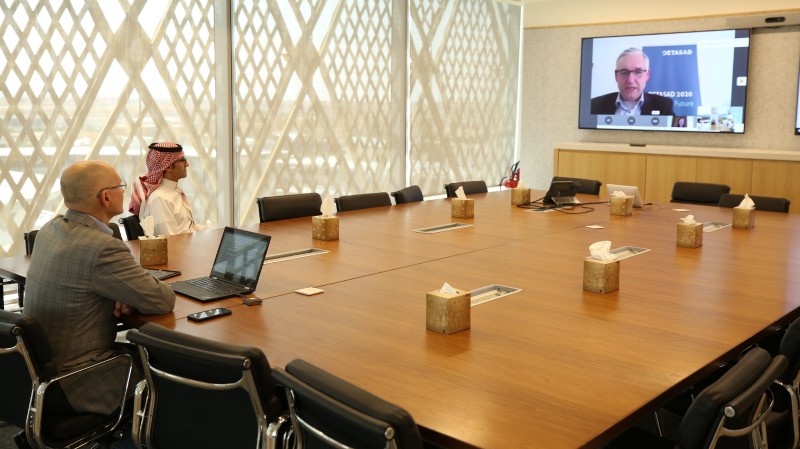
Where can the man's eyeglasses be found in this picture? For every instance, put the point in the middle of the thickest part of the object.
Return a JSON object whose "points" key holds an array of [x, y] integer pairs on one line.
{"points": [[638, 73], [122, 187]]}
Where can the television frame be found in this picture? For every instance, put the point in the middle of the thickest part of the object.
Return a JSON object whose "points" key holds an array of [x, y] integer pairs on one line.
{"points": [[670, 54]]}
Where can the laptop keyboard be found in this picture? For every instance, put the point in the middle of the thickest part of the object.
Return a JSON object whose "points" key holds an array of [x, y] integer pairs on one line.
{"points": [[214, 285]]}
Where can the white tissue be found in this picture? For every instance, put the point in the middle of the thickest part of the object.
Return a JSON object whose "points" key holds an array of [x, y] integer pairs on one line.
{"points": [[601, 250], [460, 193], [148, 225], [618, 194], [689, 219], [328, 207], [448, 289], [747, 203]]}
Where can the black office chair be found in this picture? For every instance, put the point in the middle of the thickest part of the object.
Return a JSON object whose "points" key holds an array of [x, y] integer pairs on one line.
{"points": [[115, 231], [30, 238], [410, 194], [324, 407], [767, 203], [470, 187], [272, 208], [200, 393], [132, 227], [783, 425], [698, 193], [587, 186], [362, 201], [735, 406], [30, 386]]}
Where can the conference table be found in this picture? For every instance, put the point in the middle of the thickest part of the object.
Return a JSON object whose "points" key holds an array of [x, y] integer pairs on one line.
{"points": [[551, 366]]}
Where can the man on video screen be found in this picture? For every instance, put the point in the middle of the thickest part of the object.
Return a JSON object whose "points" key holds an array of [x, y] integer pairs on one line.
{"points": [[632, 73]]}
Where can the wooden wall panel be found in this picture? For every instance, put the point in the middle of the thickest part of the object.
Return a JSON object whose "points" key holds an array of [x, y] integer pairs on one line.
{"points": [[736, 173], [655, 174], [663, 171], [777, 178], [615, 168]]}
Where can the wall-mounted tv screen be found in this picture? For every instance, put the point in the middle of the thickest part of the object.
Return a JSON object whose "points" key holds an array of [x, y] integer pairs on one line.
{"points": [[683, 82]]}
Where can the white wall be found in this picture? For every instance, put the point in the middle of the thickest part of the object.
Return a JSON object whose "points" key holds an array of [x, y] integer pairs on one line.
{"points": [[550, 88], [548, 13]]}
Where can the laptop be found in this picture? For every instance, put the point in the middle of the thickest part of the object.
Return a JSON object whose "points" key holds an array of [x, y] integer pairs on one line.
{"points": [[627, 190], [562, 193], [236, 268]]}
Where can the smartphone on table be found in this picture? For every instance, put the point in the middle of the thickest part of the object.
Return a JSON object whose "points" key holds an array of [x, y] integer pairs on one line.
{"points": [[208, 314]]}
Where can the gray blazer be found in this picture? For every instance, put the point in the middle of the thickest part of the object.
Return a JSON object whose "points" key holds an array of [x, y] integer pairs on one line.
{"points": [[76, 274]]}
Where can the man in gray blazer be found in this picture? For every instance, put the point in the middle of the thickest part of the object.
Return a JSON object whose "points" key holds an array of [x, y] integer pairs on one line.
{"points": [[81, 279]]}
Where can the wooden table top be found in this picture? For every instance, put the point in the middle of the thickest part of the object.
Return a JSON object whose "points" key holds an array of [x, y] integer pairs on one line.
{"points": [[553, 366]]}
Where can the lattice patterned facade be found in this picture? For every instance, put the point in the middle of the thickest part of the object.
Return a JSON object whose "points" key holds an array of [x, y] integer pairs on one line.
{"points": [[333, 96]]}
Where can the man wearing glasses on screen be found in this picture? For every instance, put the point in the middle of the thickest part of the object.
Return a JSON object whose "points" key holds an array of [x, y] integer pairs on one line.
{"points": [[632, 73]]}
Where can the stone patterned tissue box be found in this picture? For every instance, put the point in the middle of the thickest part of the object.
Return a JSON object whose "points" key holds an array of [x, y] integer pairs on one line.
{"points": [[447, 313], [690, 235], [744, 218], [601, 276], [520, 197], [153, 250], [325, 228], [621, 206], [462, 208]]}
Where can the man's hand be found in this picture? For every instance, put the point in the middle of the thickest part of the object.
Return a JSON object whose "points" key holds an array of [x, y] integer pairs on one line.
{"points": [[122, 309]]}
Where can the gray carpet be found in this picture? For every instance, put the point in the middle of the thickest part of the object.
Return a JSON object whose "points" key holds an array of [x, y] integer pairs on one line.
{"points": [[6, 435]]}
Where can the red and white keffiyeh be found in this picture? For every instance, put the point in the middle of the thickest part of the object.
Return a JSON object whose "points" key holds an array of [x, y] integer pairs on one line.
{"points": [[160, 157]]}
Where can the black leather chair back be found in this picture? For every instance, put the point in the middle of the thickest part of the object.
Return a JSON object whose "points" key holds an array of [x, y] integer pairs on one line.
{"points": [[30, 239], [193, 413], [732, 401], [470, 187], [132, 227], [342, 411], [16, 382], [362, 201], [25, 366], [767, 203], [271, 208], [698, 193], [587, 186], [410, 194]]}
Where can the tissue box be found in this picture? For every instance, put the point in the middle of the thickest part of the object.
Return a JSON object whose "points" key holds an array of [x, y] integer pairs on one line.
{"points": [[690, 235], [520, 196], [744, 218], [325, 228], [462, 208], [153, 250], [447, 313], [600, 276], [621, 205]]}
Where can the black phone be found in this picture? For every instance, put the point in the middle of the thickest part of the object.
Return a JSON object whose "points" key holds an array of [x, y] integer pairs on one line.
{"points": [[208, 314], [162, 274]]}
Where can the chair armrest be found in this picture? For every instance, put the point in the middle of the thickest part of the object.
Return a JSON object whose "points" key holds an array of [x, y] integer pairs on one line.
{"points": [[140, 397], [35, 414]]}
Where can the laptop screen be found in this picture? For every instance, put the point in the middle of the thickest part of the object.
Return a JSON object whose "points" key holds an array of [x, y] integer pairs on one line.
{"points": [[560, 189], [627, 190], [240, 257]]}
